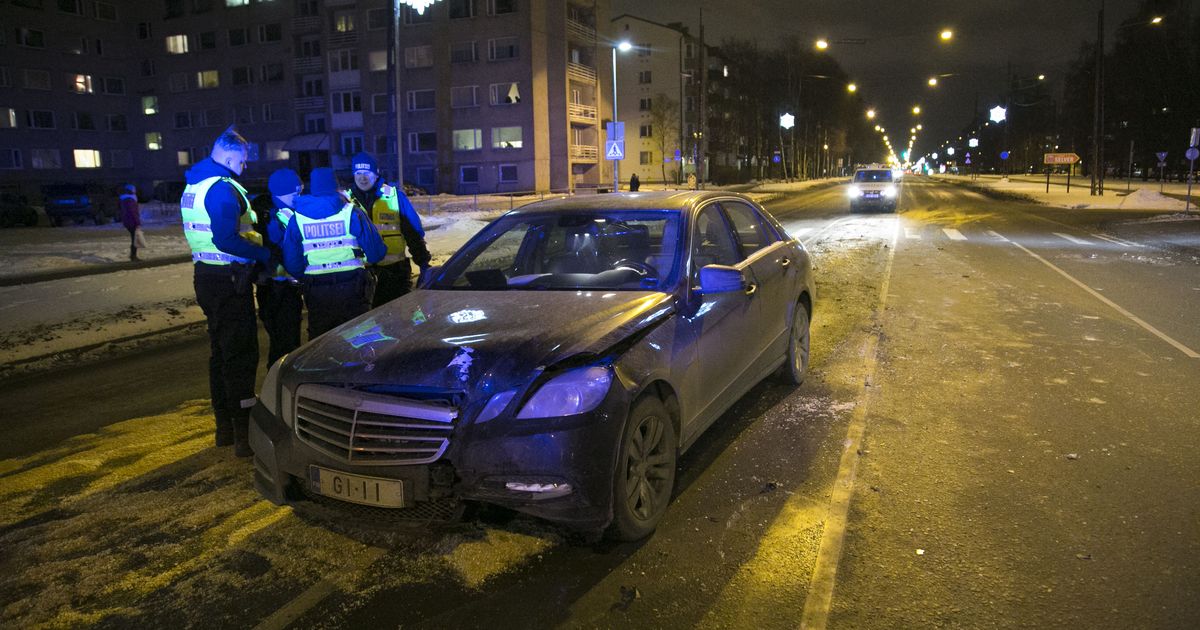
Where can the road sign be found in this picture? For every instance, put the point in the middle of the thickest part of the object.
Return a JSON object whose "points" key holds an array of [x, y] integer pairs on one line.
{"points": [[968, 158], [614, 146], [1192, 153], [1060, 158], [1195, 139], [1162, 156], [1004, 155]]}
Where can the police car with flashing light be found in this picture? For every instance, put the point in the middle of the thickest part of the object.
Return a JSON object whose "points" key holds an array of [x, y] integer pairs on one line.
{"points": [[873, 187]]}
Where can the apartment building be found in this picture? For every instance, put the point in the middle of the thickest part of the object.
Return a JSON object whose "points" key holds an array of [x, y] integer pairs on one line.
{"points": [[494, 95]]}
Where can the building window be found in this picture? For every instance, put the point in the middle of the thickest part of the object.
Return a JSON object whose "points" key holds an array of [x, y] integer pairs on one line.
{"points": [[643, 77], [184, 157], [352, 143], [81, 83], [8, 118], [272, 112], [269, 33], [39, 119], [313, 86], [500, 7], [112, 85], [377, 61], [464, 52], [644, 50], [377, 19], [506, 138], [149, 105], [503, 48], [10, 158], [464, 96], [505, 94], [271, 73], [643, 104], [153, 141], [183, 120], [117, 122], [307, 8], [425, 176], [689, 50], [314, 123], [237, 3], [84, 121], [120, 158], [208, 40], [343, 60], [645, 131], [105, 11], [419, 100], [239, 36], [37, 80], [71, 6], [177, 44], [346, 102], [468, 175], [310, 47], [45, 158], [508, 174], [468, 139], [343, 22], [379, 103], [418, 57], [207, 79], [410, 16], [645, 157], [144, 31], [87, 158], [31, 38], [275, 151], [243, 75], [422, 142], [243, 114], [462, 9], [147, 67]]}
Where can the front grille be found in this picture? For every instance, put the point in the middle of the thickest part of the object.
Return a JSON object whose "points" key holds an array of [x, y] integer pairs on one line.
{"points": [[372, 429]]}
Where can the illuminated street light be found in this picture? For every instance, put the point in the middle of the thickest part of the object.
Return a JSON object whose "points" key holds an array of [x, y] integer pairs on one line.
{"points": [[1041, 77], [946, 35], [919, 127], [1156, 20], [912, 130], [852, 88], [624, 47], [787, 121], [870, 113], [876, 127], [997, 114], [916, 109], [822, 44], [418, 5], [932, 81]]}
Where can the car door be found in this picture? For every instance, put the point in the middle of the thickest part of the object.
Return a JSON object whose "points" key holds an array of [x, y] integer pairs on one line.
{"points": [[719, 322], [767, 255]]}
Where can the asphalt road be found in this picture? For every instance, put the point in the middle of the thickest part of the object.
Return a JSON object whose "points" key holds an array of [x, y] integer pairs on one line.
{"points": [[1000, 429]]}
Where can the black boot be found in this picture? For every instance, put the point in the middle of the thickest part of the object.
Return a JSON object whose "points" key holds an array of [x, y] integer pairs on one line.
{"points": [[224, 432], [241, 435], [133, 253]]}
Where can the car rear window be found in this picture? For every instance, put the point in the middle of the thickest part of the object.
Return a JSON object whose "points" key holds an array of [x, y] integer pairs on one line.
{"points": [[873, 176]]}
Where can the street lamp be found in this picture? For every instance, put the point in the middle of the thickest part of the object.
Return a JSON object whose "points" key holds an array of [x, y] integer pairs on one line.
{"points": [[916, 110], [822, 44], [394, 76], [870, 114], [932, 81], [946, 35], [851, 88], [623, 46], [1156, 19]]}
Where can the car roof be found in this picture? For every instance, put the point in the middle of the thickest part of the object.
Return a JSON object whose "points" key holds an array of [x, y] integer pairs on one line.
{"points": [[676, 200]]}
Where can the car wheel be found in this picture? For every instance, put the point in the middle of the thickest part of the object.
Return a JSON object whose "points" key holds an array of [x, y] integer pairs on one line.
{"points": [[796, 367], [645, 474]]}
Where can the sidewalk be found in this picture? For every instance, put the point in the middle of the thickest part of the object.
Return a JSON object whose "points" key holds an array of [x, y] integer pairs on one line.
{"points": [[1141, 197]]}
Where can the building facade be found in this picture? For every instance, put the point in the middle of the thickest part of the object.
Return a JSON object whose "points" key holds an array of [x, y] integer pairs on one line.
{"points": [[494, 95]]}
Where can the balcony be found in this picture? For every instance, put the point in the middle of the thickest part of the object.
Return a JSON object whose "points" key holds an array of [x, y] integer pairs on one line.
{"points": [[306, 65], [581, 113], [343, 39], [580, 72], [309, 102], [303, 25], [581, 32], [584, 153]]}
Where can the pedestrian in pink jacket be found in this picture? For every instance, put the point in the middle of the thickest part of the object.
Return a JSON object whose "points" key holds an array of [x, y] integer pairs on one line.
{"points": [[131, 218]]}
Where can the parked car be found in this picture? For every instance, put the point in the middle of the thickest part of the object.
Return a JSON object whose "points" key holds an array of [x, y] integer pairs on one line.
{"points": [[558, 364], [78, 202], [15, 210]]}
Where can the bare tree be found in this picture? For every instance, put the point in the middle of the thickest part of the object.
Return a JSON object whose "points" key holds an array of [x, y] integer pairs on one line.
{"points": [[664, 114]]}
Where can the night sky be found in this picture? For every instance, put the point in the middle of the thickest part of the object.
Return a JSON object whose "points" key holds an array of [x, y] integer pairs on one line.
{"points": [[902, 49]]}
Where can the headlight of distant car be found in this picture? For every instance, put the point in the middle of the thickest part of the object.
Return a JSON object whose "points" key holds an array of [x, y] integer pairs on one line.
{"points": [[853, 191], [890, 191], [269, 396], [570, 393]]}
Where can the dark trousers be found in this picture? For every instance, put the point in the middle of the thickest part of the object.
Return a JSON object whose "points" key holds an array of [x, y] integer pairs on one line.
{"points": [[132, 243], [394, 279], [334, 299], [233, 343], [279, 308]]}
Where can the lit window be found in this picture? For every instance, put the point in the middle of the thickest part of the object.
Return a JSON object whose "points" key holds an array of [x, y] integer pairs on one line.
{"points": [[506, 138], [87, 158], [377, 60], [275, 151], [184, 157], [177, 44], [81, 83], [237, 3], [8, 118], [468, 139], [343, 22], [153, 141], [149, 105], [207, 79], [505, 94]]}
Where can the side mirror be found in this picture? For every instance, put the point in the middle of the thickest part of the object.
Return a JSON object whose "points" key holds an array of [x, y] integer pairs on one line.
{"points": [[427, 276], [720, 279]]}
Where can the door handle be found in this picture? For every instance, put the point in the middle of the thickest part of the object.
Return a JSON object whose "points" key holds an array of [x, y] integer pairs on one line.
{"points": [[786, 262], [751, 288]]}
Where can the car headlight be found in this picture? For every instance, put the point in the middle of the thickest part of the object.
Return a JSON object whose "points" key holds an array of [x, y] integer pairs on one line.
{"points": [[890, 191], [853, 191], [570, 393], [269, 396]]}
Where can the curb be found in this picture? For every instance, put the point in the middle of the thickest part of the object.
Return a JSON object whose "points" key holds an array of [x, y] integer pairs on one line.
{"points": [[77, 272], [75, 357]]}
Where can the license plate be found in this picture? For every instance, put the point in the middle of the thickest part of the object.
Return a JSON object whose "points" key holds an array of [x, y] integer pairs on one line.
{"points": [[357, 488], [872, 195]]}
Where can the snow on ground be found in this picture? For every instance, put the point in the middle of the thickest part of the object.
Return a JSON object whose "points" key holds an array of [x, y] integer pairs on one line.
{"points": [[1144, 195]]}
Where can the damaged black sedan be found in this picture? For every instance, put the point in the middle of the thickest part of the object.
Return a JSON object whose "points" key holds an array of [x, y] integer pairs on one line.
{"points": [[558, 365]]}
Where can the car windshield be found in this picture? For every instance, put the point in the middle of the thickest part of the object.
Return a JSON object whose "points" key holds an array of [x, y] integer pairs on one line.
{"points": [[873, 176], [600, 250]]}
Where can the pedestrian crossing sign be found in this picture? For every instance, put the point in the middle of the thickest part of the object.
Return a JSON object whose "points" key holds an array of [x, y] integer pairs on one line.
{"points": [[614, 150]]}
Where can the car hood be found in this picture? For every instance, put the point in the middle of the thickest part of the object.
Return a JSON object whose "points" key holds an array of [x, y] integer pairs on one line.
{"points": [[473, 342]]}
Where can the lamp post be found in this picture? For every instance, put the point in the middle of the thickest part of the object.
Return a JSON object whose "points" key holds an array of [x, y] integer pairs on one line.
{"points": [[419, 6], [623, 47]]}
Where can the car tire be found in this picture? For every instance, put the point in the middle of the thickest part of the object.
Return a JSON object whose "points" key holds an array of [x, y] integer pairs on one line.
{"points": [[795, 365], [645, 473]]}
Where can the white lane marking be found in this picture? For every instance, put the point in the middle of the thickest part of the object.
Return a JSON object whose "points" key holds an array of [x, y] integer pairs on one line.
{"points": [[1118, 308], [832, 224], [996, 234], [820, 590], [1073, 239], [1118, 241], [324, 587], [954, 234], [911, 233]]}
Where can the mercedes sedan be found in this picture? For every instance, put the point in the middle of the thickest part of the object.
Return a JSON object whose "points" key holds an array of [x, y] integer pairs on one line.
{"points": [[558, 365]]}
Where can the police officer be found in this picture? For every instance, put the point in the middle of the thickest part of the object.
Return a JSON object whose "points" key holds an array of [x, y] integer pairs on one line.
{"points": [[212, 203], [279, 300], [328, 244], [399, 225]]}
